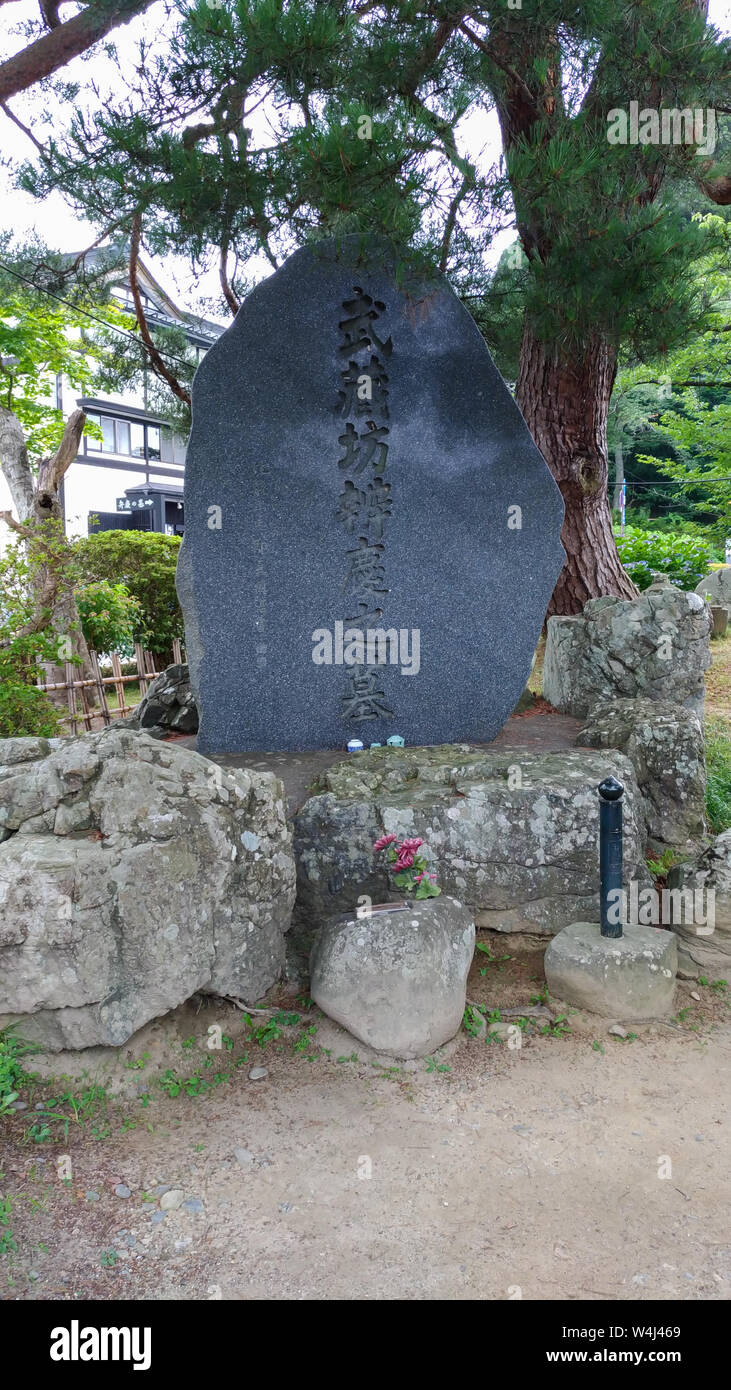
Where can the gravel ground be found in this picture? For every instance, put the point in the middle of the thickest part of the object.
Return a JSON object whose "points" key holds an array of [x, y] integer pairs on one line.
{"points": [[582, 1165]]}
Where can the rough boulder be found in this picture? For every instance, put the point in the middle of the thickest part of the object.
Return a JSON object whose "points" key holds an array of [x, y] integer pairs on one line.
{"points": [[132, 874]]}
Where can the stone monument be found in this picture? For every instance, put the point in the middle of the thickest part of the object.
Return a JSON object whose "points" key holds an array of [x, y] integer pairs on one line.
{"points": [[372, 537]]}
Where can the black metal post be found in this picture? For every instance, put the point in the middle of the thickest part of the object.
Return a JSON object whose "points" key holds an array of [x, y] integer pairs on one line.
{"points": [[611, 792]]}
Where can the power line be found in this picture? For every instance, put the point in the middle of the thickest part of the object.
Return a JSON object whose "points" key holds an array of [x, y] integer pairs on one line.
{"points": [[113, 327], [677, 483]]}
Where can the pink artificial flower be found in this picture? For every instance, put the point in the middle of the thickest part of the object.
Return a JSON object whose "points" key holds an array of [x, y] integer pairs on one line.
{"points": [[410, 846], [405, 859], [384, 842]]}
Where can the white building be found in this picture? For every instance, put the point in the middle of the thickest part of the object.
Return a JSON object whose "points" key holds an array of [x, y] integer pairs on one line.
{"points": [[133, 477]]}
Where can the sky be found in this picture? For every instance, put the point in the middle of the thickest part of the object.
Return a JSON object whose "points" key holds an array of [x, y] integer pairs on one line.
{"points": [[59, 226]]}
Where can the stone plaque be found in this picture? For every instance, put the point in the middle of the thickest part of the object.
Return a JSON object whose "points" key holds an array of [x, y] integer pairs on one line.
{"points": [[372, 537]]}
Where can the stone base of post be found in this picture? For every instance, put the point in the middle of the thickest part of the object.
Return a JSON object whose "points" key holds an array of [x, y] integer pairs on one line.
{"points": [[629, 978]]}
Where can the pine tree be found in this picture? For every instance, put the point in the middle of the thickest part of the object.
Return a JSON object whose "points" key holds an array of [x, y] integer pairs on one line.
{"points": [[363, 102]]}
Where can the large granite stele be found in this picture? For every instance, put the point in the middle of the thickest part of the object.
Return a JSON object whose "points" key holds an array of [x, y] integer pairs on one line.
{"points": [[357, 463]]}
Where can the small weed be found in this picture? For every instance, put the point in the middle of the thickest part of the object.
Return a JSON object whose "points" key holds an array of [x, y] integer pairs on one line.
{"points": [[305, 1039], [140, 1064], [557, 1029], [433, 1065], [12, 1072], [597, 1047], [108, 1259], [473, 1020], [541, 997], [659, 868], [7, 1245], [352, 1058], [719, 986]]}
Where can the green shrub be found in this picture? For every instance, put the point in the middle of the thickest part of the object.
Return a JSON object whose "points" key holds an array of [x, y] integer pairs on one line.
{"points": [[718, 776], [684, 559], [144, 562], [109, 616], [25, 711]]}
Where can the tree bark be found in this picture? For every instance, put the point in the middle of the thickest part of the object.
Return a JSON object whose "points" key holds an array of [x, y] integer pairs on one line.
{"points": [[37, 501], [14, 463], [565, 402]]}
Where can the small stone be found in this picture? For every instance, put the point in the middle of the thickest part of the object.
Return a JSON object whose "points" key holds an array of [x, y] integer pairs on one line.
{"points": [[171, 1200], [522, 1129], [121, 1190], [503, 1031], [40, 1105], [20, 1105], [157, 1217], [686, 975], [258, 1073], [617, 1031], [183, 1244], [286, 1206], [694, 994], [92, 1196], [245, 1157], [193, 1204]]}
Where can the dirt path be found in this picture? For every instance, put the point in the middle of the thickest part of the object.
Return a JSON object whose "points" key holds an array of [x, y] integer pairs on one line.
{"points": [[487, 1171]]}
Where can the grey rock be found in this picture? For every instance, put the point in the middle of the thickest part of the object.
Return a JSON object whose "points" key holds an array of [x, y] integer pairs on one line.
{"points": [[19, 1105], [121, 1190], [92, 1196], [193, 1204], [396, 980], [656, 647], [716, 587], [617, 1031], [157, 1218], [664, 742], [278, 445], [258, 1073], [245, 1157], [170, 1201], [630, 978], [103, 930], [504, 1032], [704, 937], [521, 857], [168, 706]]}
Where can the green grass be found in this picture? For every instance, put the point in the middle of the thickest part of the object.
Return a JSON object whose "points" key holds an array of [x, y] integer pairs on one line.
{"points": [[718, 775]]}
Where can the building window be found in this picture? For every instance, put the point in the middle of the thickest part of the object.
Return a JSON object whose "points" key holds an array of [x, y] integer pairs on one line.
{"points": [[153, 442], [129, 438], [137, 434]]}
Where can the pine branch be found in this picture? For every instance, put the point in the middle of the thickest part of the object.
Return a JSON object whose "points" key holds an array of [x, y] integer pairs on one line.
{"points": [[157, 362], [64, 42]]}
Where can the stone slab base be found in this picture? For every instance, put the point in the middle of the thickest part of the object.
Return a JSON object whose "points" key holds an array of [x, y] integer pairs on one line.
{"points": [[628, 978]]}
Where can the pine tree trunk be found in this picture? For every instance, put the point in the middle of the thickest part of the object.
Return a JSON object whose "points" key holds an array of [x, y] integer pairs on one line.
{"points": [[565, 401]]}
